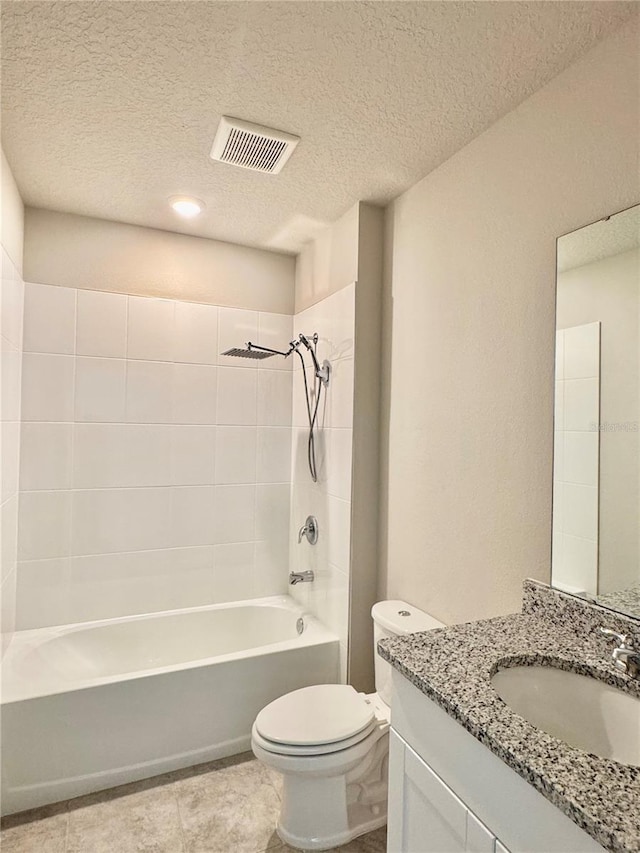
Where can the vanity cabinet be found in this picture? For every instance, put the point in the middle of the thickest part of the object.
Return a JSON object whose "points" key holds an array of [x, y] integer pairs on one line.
{"points": [[448, 793], [425, 816]]}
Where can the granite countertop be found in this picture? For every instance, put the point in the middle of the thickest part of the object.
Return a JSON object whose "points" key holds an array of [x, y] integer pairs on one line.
{"points": [[453, 667]]}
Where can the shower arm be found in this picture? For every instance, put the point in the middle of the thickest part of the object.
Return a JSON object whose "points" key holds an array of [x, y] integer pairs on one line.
{"points": [[259, 348]]}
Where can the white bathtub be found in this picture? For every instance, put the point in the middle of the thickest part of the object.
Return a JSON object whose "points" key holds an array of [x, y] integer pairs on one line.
{"points": [[96, 704]]}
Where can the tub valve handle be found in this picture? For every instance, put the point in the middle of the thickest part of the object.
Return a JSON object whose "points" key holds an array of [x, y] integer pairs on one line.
{"points": [[310, 530]]}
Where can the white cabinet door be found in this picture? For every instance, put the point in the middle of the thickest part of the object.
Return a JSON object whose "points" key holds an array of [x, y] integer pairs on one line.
{"points": [[425, 816], [479, 838]]}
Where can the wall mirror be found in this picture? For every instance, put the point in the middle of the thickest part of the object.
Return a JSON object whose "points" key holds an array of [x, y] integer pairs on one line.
{"points": [[596, 479]]}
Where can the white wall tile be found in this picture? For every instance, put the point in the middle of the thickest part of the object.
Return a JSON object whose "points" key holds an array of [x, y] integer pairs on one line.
{"points": [[274, 397], [581, 404], [12, 300], [234, 515], [45, 456], [559, 362], [236, 327], [196, 333], [111, 520], [338, 532], [149, 392], [8, 607], [11, 382], [8, 536], [276, 331], [43, 595], [558, 409], [49, 319], [9, 458], [102, 324], [100, 390], [580, 512], [193, 455], [192, 515], [582, 351], [54, 592], [338, 469], [236, 401], [117, 455], [43, 525], [194, 394], [126, 510], [271, 572], [339, 394], [274, 455], [558, 455], [233, 571], [47, 387], [272, 511], [236, 455], [580, 562], [580, 458], [150, 329]]}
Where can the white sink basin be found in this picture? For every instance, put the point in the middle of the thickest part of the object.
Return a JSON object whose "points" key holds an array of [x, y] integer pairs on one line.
{"points": [[581, 711]]}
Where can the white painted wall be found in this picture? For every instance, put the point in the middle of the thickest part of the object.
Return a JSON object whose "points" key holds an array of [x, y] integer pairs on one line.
{"points": [[154, 472], [87, 253], [469, 335], [11, 306]]}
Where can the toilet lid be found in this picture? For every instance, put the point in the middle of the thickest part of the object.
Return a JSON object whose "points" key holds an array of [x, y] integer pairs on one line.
{"points": [[324, 713]]}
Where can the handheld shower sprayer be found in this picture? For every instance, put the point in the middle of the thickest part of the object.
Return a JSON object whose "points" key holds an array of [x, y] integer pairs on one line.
{"points": [[321, 374]]}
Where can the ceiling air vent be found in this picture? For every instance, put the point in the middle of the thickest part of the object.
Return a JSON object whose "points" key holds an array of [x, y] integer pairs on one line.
{"points": [[252, 146]]}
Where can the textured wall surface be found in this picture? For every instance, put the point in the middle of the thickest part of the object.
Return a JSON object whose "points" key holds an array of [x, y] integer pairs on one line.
{"points": [[109, 108], [469, 335], [81, 252]]}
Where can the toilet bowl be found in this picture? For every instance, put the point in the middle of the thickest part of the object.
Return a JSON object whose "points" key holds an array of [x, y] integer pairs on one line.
{"points": [[331, 745]]}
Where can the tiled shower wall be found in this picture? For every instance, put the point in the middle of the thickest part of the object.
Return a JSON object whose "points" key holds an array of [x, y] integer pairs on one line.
{"points": [[11, 299], [329, 500], [576, 459], [155, 473]]}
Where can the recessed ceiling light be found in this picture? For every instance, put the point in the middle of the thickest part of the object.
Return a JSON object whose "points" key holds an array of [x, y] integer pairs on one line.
{"points": [[186, 206]]}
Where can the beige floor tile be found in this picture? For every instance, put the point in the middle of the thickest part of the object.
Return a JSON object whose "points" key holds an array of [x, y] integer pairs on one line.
{"points": [[145, 821], [47, 835], [231, 809]]}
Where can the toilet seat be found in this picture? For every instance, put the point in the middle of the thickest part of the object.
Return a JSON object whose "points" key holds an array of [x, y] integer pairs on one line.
{"points": [[316, 718], [311, 749]]}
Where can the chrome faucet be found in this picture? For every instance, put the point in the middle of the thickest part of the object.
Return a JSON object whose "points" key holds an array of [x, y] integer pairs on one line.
{"points": [[301, 577], [625, 657]]}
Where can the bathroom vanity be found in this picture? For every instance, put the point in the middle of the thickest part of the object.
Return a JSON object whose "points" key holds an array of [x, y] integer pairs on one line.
{"points": [[467, 773]]}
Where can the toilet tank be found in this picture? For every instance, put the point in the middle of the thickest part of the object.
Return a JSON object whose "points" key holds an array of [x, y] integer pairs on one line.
{"points": [[395, 619]]}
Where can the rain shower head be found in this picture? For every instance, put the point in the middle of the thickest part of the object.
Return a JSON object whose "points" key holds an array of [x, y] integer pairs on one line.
{"points": [[249, 352]]}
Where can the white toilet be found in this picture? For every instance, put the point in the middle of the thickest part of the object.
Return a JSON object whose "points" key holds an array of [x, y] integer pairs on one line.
{"points": [[331, 745]]}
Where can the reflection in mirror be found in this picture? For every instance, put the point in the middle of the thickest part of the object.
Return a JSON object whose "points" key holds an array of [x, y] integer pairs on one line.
{"points": [[596, 480]]}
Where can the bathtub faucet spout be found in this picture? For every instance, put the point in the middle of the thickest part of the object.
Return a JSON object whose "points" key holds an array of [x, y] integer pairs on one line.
{"points": [[300, 577]]}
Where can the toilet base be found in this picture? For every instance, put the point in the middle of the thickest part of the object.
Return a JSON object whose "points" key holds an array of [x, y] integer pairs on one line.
{"points": [[321, 811], [361, 827]]}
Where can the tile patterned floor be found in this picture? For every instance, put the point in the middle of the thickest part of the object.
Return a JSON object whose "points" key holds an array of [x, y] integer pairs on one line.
{"points": [[227, 806]]}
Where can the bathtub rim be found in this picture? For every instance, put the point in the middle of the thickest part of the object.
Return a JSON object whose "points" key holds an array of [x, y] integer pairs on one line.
{"points": [[14, 688]]}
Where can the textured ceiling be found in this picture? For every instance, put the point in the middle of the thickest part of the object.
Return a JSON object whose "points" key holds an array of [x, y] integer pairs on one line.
{"points": [[620, 233], [108, 108]]}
